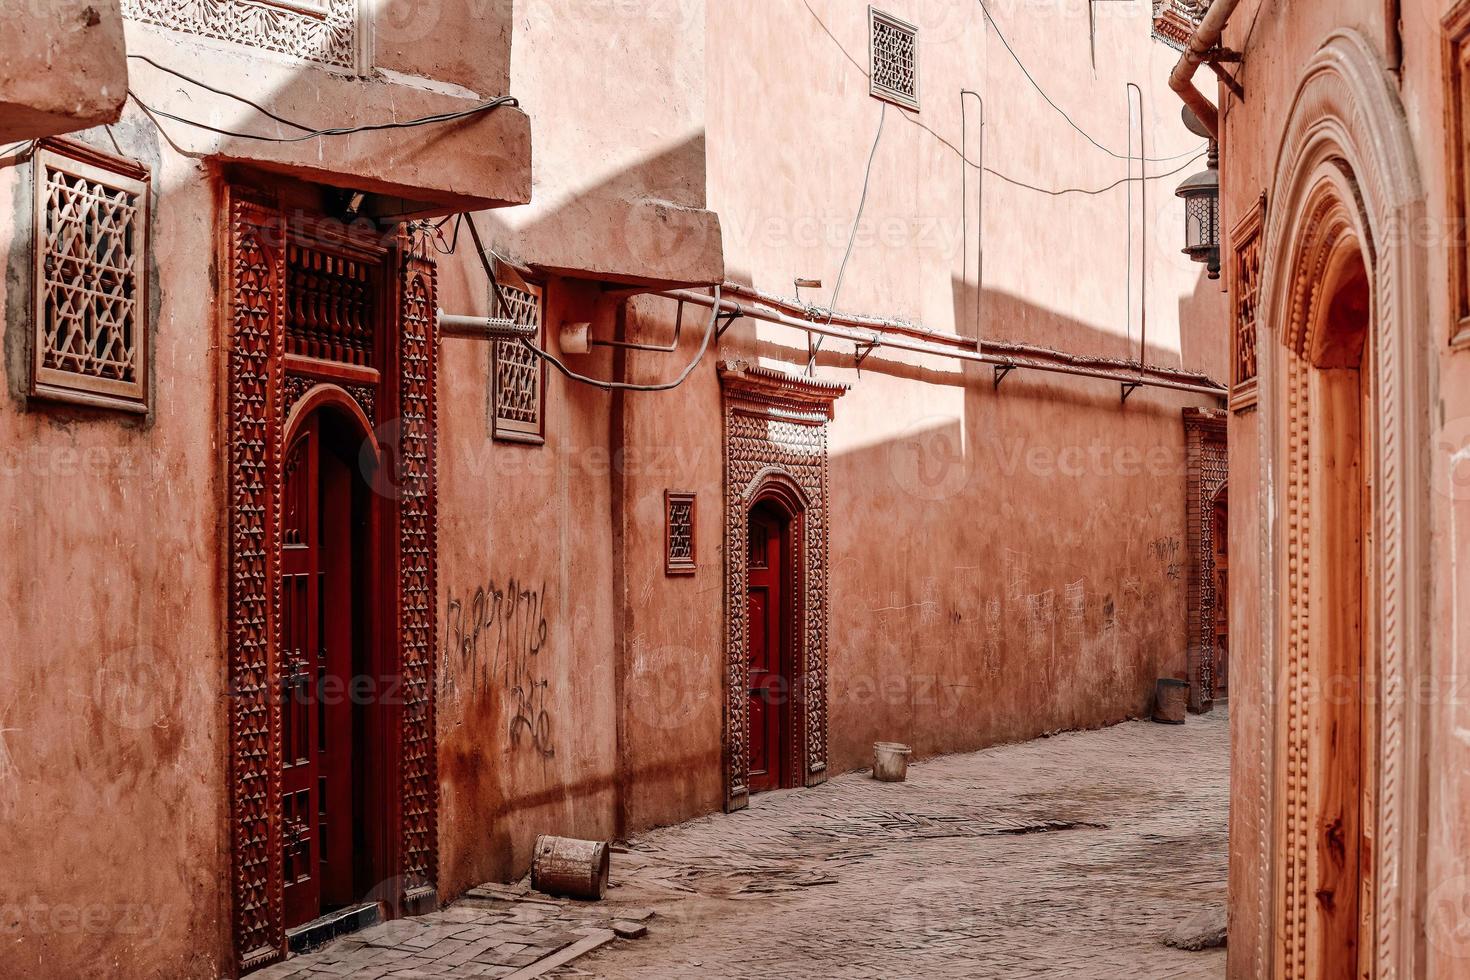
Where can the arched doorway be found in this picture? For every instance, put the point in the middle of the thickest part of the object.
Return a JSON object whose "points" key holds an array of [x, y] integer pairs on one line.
{"points": [[1332, 479], [1327, 866], [770, 608], [333, 799]]}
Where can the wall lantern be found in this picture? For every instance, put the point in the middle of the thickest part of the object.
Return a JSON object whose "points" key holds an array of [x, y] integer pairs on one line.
{"points": [[1201, 193]]}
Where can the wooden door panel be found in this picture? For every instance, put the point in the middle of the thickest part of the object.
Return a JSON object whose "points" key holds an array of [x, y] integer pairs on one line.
{"points": [[768, 656], [317, 671], [300, 640]]}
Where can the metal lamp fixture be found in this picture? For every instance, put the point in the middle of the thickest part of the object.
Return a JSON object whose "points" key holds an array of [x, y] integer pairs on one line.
{"points": [[1201, 193]]}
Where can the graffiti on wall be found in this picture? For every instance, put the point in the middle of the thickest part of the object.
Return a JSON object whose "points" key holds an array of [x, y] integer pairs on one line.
{"points": [[495, 645]]}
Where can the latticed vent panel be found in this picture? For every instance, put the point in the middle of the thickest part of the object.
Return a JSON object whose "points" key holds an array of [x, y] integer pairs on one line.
{"points": [[518, 398], [894, 55], [1245, 295], [322, 31], [91, 236], [331, 306], [679, 533]]}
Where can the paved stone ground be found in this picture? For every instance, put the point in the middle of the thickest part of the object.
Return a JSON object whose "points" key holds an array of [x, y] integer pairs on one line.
{"points": [[1067, 857]]}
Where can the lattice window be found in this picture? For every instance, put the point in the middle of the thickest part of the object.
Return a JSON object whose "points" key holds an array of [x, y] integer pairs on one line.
{"points": [[894, 57], [322, 31], [1245, 290], [90, 279], [518, 397], [679, 533]]}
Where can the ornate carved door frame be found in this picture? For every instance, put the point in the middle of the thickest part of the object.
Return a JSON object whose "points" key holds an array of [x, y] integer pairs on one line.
{"points": [[776, 437], [264, 382], [1209, 469], [1346, 158]]}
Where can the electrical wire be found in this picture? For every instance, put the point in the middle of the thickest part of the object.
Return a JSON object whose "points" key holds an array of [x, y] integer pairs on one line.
{"points": [[571, 375], [442, 117], [990, 18], [852, 237], [219, 91], [1095, 191]]}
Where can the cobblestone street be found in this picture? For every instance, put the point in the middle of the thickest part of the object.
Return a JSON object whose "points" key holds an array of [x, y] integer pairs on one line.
{"points": [[1067, 857]]}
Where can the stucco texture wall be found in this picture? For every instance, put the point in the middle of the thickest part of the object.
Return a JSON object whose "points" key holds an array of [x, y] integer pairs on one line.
{"points": [[112, 725], [1004, 562]]}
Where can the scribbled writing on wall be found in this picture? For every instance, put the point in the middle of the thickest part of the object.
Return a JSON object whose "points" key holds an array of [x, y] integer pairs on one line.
{"points": [[1168, 553], [495, 643]]}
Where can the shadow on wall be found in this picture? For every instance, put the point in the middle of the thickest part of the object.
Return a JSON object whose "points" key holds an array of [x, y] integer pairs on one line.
{"points": [[1007, 317], [1004, 562]]}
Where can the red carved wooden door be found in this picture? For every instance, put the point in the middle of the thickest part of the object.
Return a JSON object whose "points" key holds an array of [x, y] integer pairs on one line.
{"points": [[317, 665], [766, 608]]}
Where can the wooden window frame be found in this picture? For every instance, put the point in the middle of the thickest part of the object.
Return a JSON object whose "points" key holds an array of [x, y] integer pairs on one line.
{"points": [[51, 384], [876, 89], [681, 566], [1247, 234], [508, 430]]}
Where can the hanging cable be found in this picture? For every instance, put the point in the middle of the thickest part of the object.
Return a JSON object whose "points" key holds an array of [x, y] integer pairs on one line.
{"points": [[571, 375], [1049, 101], [443, 117], [219, 91], [852, 238]]}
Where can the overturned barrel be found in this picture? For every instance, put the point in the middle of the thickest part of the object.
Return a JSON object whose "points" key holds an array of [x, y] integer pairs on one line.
{"points": [[569, 867]]}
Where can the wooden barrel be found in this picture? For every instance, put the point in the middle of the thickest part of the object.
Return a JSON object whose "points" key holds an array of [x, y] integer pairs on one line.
{"points": [[574, 868]]}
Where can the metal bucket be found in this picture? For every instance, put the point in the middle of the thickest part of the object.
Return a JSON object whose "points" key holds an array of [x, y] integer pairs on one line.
{"points": [[891, 761], [574, 868]]}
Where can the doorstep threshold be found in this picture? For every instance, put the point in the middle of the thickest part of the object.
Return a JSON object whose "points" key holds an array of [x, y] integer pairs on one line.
{"points": [[320, 931]]}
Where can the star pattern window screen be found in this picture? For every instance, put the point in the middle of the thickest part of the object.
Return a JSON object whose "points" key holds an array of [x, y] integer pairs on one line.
{"points": [[894, 55], [90, 279], [519, 388]]}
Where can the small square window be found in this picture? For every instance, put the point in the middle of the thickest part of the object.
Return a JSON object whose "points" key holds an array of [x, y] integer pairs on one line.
{"points": [[90, 344], [679, 523], [894, 59], [518, 393]]}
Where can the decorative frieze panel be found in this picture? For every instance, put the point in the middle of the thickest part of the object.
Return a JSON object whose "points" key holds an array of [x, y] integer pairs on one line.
{"points": [[1175, 21], [776, 431], [418, 543], [894, 59], [90, 343], [322, 31], [518, 391], [1245, 295], [256, 358]]}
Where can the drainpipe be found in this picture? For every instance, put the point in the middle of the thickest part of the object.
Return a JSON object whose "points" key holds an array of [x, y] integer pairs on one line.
{"points": [[1203, 44]]}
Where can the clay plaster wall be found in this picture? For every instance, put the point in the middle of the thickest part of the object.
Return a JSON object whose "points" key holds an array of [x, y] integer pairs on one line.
{"points": [[1004, 562], [113, 721]]}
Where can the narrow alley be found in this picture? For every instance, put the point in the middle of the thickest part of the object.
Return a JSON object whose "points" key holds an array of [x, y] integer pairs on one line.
{"points": [[1068, 857]]}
